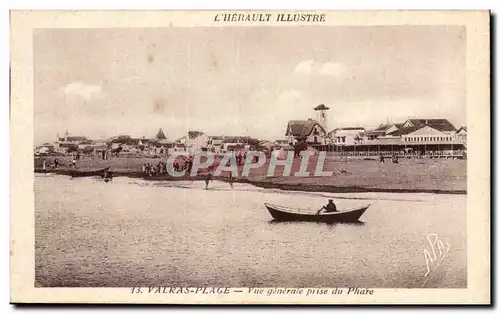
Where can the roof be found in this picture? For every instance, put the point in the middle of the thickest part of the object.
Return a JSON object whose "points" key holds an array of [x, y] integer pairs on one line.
{"points": [[281, 142], [301, 128], [348, 129], [321, 107], [194, 134], [375, 132], [442, 125], [404, 131], [462, 128], [165, 141], [397, 125], [76, 138], [160, 135], [217, 137]]}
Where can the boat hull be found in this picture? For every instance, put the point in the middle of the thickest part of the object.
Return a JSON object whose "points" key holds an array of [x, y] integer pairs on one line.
{"points": [[280, 213], [78, 174]]}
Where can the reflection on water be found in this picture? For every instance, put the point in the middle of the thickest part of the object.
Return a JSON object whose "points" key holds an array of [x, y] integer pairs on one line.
{"points": [[137, 233]]}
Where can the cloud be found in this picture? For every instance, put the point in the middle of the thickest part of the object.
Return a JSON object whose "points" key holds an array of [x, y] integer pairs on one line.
{"points": [[83, 90], [305, 67], [331, 69]]}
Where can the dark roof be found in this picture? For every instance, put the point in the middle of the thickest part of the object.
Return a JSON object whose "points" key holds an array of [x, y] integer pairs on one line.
{"points": [[125, 139], [397, 125], [301, 128], [462, 128], [375, 132], [76, 138], [160, 135], [352, 128], [194, 134], [281, 141], [404, 131], [217, 137], [321, 107], [348, 129], [442, 125]]}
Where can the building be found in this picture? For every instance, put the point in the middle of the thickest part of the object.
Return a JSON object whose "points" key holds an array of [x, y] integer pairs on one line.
{"points": [[160, 135], [321, 115], [348, 136], [442, 125], [461, 134], [424, 137], [214, 144], [44, 149], [196, 142], [309, 131]]}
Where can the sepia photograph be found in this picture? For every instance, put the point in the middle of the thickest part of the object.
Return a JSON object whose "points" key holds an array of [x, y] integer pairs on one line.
{"points": [[246, 155]]}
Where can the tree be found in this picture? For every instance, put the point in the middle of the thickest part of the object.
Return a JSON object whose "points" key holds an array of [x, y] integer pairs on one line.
{"points": [[72, 148]]}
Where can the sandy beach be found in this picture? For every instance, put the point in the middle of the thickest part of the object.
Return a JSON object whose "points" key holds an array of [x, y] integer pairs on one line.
{"points": [[353, 175]]}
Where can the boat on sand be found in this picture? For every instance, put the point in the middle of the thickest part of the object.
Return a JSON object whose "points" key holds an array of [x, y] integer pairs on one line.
{"points": [[88, 173], [282, 213]]}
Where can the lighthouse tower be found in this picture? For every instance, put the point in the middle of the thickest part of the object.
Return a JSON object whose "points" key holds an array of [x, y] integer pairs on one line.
{"points": [[321, 116]]}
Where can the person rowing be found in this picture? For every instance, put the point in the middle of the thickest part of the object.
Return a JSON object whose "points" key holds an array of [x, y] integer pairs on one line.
{"points": [[329, 208]]}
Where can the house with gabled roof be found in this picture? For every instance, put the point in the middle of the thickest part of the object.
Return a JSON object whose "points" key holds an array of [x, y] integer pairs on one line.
{"points": [[442, 125], [461, 134], [426, 131], [309, 131]]}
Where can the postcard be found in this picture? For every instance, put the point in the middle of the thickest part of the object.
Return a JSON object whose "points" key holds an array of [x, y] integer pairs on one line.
{"points": [[250, 157]]}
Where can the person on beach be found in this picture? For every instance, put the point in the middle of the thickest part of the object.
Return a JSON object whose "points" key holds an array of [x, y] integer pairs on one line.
{"points": [[207, 180], [381, 158], [329, 208], [56, 163], [230, 179], [44, 164]]}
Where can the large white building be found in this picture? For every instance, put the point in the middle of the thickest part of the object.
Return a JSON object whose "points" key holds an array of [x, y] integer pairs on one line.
{"points": [[348, 135]]}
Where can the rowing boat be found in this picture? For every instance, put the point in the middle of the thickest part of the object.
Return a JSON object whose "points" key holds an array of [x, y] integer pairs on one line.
{"points": [[282, 213], [88, 173]]}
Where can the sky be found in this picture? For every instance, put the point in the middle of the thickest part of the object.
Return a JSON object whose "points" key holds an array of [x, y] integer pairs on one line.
{"points": [[243, 80]]}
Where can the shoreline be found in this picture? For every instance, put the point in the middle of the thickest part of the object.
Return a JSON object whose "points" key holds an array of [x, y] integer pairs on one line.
{"points": [[271, 185]]}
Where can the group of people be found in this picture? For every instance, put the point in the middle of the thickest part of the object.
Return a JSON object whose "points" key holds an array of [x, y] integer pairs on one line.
{"points": [[394, 158], [152, 170], [55, 165]]}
